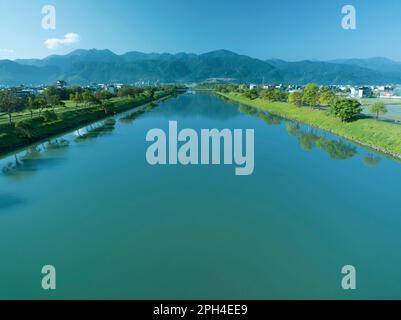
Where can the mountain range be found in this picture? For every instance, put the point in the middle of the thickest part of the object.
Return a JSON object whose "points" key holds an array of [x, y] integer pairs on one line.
{"points": [[103, 66]]}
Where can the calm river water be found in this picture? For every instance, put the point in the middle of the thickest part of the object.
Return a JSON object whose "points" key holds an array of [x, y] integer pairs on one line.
{"points": [[116, 227]]}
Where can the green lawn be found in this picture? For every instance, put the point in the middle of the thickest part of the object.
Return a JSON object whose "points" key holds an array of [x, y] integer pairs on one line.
{"points": [[369, 101], [383, 136]]}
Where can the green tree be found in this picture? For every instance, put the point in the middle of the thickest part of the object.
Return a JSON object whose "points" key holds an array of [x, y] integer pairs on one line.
{"points": [[32, 105], [295, 98], [378, 108], [327, 97], [50, 116], [9, 103], [89, 98], [108, 108], [61, 93], [103, 95], [311, 95], [73, 97], [54, 101], [42, 103], [251, 94], [26, 129], [126, 91], [346, 109]]}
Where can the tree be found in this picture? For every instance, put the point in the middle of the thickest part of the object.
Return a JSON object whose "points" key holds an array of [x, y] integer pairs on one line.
{"points": [[273, 95], [327, 97], [32, 105], [295, 98], [50, 116], [61, 93], [108, 108], [346, 109], [251, 94], [9, 103], [151, 92], [311, 95], [378, 108], [73, 98], [76, 97], [89, 98], [26, 129], [42, 103], [103, 95], [126, 91], [54, 101]]}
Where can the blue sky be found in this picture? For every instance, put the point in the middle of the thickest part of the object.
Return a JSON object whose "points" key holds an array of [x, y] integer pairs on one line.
{"points": [[290, 29]]}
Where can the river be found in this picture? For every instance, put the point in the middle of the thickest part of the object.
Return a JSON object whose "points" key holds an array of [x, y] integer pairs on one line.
{"points": [[113, 226]]}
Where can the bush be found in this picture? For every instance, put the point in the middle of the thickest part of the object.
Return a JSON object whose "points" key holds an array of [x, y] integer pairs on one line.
{"points": [[108, 108], [50, 116], [64, 116], [26, 129], [346, 109]]}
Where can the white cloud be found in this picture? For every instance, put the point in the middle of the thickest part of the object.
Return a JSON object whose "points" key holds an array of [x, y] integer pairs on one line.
{"points": [[55, 43]]}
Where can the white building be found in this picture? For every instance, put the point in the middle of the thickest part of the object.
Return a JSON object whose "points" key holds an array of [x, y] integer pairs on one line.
{"points": [[252, 86]]}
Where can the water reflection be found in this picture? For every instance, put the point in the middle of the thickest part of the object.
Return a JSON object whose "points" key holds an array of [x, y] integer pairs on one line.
{"points": [[265, 116], [370, 160], [95, 130], [308, 140], [132, 116], [58, 144], [25, 164], [204, 105]]}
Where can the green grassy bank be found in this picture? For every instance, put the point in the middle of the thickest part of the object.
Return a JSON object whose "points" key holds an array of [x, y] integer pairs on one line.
{"points": [[11, 138], [381, 136]]}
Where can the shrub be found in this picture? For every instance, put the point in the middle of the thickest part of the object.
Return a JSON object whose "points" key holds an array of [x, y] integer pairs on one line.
{"points": [[108, 108], [26, 129], [67, 115], [50, 116], [346, 109]]}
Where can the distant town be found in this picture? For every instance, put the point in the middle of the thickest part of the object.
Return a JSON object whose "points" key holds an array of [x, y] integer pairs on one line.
{"points": [[387, 91]]}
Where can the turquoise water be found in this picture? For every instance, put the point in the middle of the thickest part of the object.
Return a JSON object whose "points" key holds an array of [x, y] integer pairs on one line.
{"points": [[115, 227]]}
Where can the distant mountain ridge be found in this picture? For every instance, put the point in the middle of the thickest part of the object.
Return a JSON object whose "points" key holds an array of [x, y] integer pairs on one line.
{"points": [[100, 66]]}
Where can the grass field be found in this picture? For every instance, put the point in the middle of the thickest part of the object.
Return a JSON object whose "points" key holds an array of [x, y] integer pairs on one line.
{"points": [[382, 136], [369, 101]]}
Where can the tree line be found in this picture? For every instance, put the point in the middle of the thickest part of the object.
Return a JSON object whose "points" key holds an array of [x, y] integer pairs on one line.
{"points": [[346, 109], [53, 97]]}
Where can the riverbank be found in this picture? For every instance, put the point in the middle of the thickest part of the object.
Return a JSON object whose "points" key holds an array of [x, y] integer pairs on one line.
{"points": [[11, 138], [380, 136]]}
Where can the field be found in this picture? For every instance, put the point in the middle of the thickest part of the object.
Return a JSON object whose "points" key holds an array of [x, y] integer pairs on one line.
{"points": [[382, 136]]}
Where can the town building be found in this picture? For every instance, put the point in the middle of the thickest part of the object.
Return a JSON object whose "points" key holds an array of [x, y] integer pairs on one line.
{"points": [[61, 84]]}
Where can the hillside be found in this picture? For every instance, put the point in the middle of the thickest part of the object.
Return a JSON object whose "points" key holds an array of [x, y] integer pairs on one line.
{"points": [[88, 66]]}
